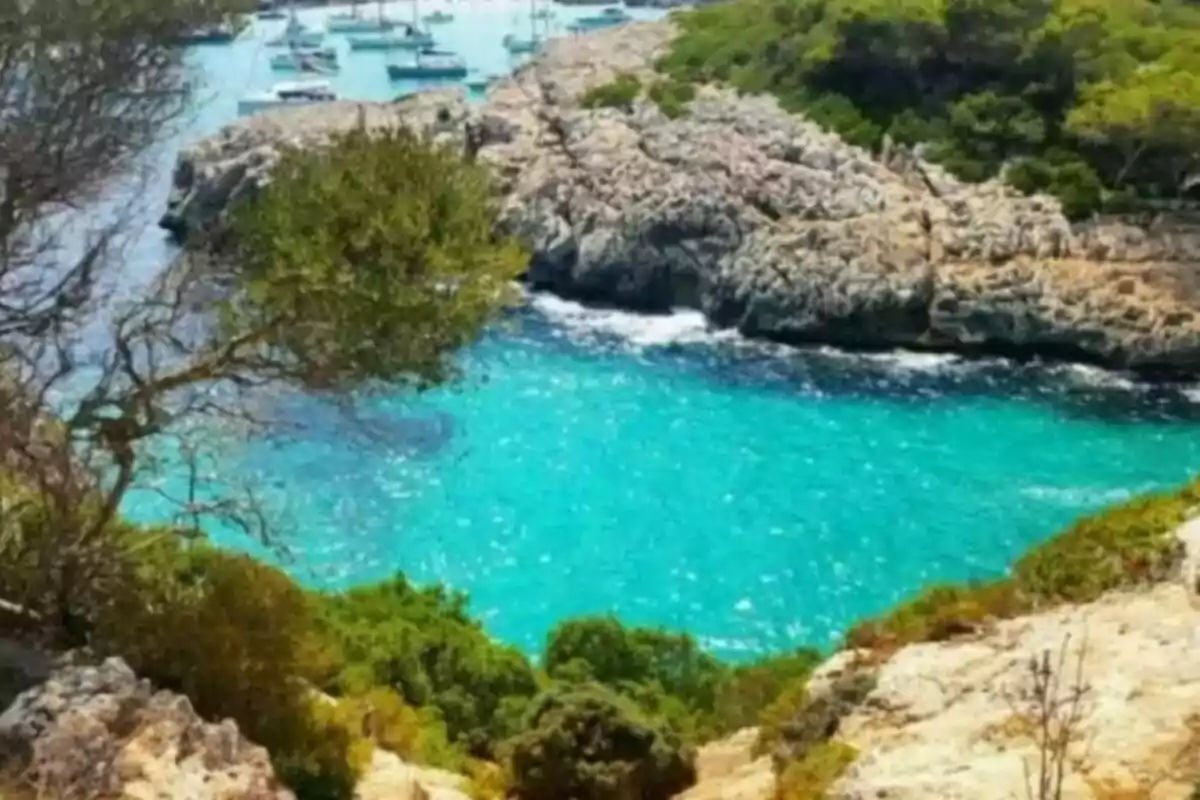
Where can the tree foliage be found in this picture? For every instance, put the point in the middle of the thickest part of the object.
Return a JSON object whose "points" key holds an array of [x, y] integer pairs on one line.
{"points": [[586, 741], [981, 82], [365, 264], [373, 260], [422, 643], [669, 676]]}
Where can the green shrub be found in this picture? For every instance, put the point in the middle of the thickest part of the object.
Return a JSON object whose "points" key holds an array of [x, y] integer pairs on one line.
{"points": [[586, 741], [667, 675], [750, 689], [239, 639], [811, 777], [785, 707], [620, 93], [671, 96], [423, 643], [797, 722], [1128, 544], [938, 613]]}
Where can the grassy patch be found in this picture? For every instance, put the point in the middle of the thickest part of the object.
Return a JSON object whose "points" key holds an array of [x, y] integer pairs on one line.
{"points": [[811, 777], [671, 96], [620, 93], [1127, 545]]}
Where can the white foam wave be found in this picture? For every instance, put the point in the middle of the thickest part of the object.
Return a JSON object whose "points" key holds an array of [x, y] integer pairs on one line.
{"points": [[1083, 496], [687, 326], [1095, 377], [901, 360], [640, 330]]}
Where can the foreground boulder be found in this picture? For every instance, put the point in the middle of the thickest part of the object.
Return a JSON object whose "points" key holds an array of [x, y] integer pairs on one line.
{"points": [[764, 221], [99, 731]]}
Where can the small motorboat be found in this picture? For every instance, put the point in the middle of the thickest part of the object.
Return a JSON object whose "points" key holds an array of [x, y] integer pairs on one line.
{"points": [[352, 23], [291, 93], [429, 65], [409, 40], [438, 18], [517, 45], [269, 12], [481, 83], [324, 59], [605, 19]]}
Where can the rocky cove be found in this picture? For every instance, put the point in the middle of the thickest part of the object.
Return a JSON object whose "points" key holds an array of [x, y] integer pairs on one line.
{"points": [[762, 220]]}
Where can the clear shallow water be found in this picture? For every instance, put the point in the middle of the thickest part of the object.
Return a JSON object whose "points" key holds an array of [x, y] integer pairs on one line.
{"points": [[755, 496]]}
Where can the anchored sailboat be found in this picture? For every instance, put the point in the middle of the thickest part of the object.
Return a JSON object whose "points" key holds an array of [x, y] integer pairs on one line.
{"points": [[351, 22], [516, 45]]}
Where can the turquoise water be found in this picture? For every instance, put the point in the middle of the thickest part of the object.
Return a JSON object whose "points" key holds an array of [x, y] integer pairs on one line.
{"points": [[756, 496]]}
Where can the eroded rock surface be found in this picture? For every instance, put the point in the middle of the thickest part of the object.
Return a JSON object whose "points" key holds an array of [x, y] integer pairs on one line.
{"points": [[101, 732], [764, 221], [957, 720]]}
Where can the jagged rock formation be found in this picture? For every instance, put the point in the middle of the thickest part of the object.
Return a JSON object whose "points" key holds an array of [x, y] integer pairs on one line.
{"points": [[766, 222], [99, 731]]}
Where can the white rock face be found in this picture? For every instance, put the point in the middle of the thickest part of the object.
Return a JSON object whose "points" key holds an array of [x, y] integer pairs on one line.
{"points": [[102, 732], [953, 720], [390, 778], [728, 770]]}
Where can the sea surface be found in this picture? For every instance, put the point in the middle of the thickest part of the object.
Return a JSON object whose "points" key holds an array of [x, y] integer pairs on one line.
{"points": [[597, 461]]}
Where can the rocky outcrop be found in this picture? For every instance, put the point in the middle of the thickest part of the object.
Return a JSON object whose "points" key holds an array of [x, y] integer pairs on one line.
{"points": [[961, 719], [765, 222], [99, 731]]}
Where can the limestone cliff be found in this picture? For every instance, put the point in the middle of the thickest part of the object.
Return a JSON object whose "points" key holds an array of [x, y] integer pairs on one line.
{"points": [[764, 221]]}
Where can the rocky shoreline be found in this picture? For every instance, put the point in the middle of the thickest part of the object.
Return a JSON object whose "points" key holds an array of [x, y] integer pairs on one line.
{"points": [[763, 221]]}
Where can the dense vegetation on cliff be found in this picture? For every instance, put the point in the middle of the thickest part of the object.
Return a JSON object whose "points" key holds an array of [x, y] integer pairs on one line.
{"points": [[1097, 101]]}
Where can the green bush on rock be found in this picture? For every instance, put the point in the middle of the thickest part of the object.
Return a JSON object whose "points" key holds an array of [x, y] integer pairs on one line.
{"points": [[620, 93], [586, 741], [423, 643], [671, 96], [1129, 544]]}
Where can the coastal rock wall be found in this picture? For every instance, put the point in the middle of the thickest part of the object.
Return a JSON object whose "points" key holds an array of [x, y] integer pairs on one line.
{"points": [[766, 222]]}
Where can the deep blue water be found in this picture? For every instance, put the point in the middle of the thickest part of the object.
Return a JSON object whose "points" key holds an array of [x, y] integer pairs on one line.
{"points": [[756, 496]]}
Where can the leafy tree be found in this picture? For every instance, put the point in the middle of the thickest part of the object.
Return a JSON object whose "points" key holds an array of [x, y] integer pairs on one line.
{"points": [[363, 265], [1152, 114], [588, 742]]}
